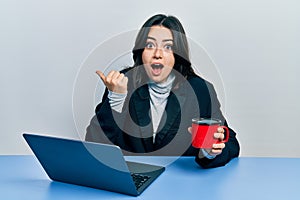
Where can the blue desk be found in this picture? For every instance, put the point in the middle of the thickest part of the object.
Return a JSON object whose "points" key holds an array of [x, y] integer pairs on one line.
{"points": [[21, 177]]}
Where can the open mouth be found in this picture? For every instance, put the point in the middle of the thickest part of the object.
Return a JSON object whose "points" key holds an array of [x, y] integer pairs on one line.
{"points": [[157, 66], [156, 69]]}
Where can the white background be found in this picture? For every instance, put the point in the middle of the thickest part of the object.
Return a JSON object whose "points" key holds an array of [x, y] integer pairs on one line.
{"points": [[254, 45]]}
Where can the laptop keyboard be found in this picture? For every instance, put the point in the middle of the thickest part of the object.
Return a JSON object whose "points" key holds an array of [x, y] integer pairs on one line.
{"points": [[139, 179]]}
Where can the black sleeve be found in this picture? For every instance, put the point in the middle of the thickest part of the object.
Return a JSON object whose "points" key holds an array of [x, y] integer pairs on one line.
{"points": [[104, 126], [232, 147], [94, 132]]}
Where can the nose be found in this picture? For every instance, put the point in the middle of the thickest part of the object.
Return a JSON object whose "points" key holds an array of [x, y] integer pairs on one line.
{"points": [[158, 53]]}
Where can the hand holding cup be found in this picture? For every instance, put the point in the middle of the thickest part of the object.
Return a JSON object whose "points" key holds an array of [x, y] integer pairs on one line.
{"points": [[208, 134]]}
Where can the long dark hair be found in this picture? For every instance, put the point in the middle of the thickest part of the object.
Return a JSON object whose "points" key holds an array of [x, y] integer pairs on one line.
{"points": [[180, 48]]}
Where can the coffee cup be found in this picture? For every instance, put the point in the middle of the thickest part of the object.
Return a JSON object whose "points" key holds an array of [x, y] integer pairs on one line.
{"points": [[203, 130]]}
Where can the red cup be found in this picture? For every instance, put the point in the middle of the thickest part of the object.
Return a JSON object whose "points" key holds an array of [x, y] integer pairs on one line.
{"points": [[203, 132]]}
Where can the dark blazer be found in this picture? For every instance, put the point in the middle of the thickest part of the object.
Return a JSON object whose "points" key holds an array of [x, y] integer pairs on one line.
{"points": [[132, 128]]}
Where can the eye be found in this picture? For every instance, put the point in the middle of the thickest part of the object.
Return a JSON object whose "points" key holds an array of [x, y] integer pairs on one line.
{"points": [[169, 47], [150, 45]]}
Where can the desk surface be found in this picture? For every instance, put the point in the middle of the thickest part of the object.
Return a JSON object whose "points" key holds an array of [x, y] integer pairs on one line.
{"points": [[21, 177]]}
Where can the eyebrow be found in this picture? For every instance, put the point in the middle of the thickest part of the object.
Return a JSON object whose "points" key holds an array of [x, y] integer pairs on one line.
{"points": [[165, 40]]}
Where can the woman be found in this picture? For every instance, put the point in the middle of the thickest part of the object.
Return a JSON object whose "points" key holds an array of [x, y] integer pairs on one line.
{"points": [[147, 109]]}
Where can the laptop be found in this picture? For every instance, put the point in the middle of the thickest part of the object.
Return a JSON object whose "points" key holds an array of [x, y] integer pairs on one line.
{"points": [[95, 165]]}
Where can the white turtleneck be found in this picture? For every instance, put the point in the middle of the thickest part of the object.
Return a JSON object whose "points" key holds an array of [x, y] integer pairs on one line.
{"points": [[159, 93]]}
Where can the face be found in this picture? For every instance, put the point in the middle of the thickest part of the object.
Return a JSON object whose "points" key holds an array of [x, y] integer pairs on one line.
{"points": [[158, 57]]}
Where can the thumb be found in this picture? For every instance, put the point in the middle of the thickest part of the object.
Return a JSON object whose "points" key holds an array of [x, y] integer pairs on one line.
{"points": [[101, 75], [190, 130]]}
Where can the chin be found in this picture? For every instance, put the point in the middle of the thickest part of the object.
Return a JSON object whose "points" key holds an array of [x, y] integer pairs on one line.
{"points": [[157, 79]]}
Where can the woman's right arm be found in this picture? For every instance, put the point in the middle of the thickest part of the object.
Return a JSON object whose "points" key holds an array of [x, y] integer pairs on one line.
{"points": [[104, 126]]}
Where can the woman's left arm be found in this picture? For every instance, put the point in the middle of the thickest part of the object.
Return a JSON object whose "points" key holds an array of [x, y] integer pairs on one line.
{"points": [[220, 153]]}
